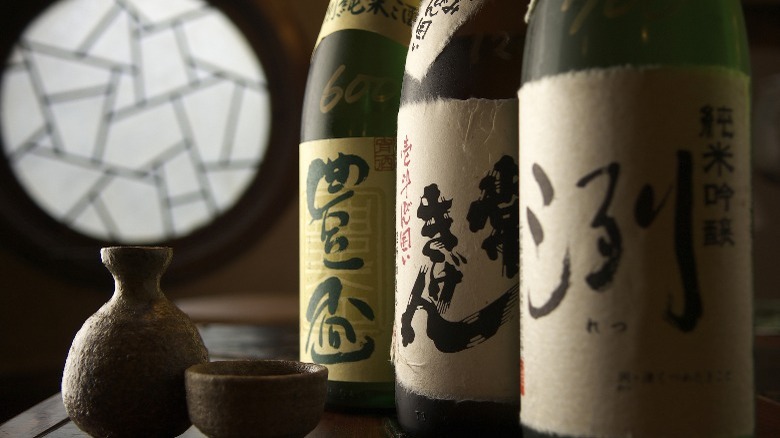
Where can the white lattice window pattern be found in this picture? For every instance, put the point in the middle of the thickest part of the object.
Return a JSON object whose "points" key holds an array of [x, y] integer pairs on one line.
{"points": [[134, 120]]}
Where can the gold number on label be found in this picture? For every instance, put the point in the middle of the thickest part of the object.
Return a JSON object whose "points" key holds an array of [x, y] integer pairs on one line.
{"points": [[380, 89]]}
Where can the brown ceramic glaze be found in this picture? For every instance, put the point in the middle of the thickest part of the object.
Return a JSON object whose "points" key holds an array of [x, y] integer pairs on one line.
{"points": [[124, 375], [256, 398]]}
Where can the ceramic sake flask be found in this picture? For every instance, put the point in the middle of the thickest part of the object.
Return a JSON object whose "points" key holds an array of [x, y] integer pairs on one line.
{"points": [[124, 375]]}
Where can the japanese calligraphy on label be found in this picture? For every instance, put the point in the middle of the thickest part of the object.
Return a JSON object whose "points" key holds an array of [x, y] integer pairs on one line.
{"points": [[636, 253], [436, 22], [392, 18], [457, 249], [346, 241]]}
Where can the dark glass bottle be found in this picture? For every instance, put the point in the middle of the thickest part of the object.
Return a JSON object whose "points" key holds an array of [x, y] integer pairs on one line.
{"points": [[635, 217], [456, 351], [347, 174]]}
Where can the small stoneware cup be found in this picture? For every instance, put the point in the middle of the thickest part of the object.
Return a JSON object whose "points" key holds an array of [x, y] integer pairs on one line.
{"points": [[256, 398]]}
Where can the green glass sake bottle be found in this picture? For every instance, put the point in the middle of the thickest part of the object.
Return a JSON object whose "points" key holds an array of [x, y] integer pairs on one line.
{"points": [[635, 208], [456, 349], [347, 175]]}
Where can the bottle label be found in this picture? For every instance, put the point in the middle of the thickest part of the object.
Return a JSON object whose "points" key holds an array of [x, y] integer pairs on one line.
{"points": [[456, 319], [433, 29], [636, 253], [392, 19], [346, 247]]}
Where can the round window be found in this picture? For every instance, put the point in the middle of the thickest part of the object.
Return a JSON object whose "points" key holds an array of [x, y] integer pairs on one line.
{"points": [[147, 122]]}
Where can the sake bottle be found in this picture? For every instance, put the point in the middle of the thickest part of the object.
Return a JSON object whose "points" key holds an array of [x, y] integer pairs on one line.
{"points": [[456, 348], [347, 180], [635, 216]]}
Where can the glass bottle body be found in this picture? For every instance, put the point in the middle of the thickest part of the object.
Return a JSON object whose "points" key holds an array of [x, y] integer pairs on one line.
{"points": [[456, 298], [623, 108], [352, 96]]}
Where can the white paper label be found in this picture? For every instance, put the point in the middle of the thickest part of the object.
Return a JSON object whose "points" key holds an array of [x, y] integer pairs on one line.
{"points": [[456, 321], [636, 253]]}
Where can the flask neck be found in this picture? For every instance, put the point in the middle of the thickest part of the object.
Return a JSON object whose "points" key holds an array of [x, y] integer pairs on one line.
{"points": [[137, 270]]}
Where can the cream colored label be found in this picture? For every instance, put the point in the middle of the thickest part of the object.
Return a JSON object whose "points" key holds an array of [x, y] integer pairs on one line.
{"points": [[346, 253], [636, 253], [433, 29], [456, 324], [392, 19]]}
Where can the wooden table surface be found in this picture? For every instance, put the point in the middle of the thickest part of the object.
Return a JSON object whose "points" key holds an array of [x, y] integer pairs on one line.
{"points": [[49, 419]]}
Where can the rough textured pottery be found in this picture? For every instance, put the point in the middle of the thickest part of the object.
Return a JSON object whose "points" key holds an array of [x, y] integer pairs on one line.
{"points": [[256, 398], [124, 375]]}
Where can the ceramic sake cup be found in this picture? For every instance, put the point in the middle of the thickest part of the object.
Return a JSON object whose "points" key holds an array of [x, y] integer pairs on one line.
{"points": [[253, 398]]}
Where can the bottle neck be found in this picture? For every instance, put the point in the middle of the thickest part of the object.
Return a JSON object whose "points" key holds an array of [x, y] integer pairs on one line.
{"points": [[393, 21]]}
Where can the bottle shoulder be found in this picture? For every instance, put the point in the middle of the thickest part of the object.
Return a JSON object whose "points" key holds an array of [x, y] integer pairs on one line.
{"points": [[678, 33], [481, 59], [484, 66], [353, 87]]}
